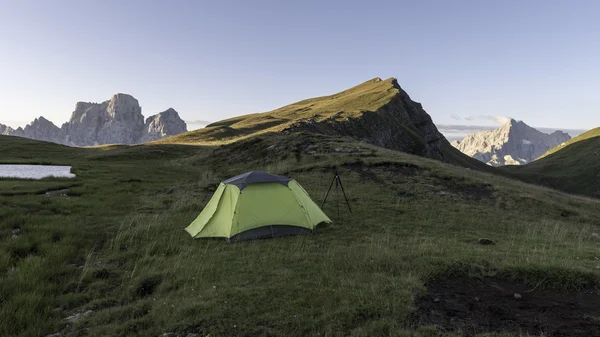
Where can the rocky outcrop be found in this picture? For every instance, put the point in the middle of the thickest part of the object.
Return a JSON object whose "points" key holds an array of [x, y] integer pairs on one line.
{"points": [[118, 120], [164, 124], [400, 124], [514, 143]]}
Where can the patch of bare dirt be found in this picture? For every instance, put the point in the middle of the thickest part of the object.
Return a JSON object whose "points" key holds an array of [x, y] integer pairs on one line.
{"points": [[471, 306], [474, 191], [377, 172]]}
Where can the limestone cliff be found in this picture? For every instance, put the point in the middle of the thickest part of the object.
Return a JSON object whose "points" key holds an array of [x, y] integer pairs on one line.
{"points": [[118, 120]]}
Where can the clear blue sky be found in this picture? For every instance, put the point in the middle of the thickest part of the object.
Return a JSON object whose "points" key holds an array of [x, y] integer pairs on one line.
{"points": [[538, 61]]}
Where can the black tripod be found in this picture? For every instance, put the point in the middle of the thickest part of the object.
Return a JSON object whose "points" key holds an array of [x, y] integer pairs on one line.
{"points": [[338, 185]]}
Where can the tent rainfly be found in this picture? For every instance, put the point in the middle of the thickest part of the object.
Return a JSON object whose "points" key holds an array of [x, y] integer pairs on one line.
{"points": [[255, 205]]}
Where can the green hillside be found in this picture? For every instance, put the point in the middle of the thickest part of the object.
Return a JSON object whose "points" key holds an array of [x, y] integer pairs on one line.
{"points": [[368, 96], [378, 112], [573, 167], [111, 257], [586, 135]]}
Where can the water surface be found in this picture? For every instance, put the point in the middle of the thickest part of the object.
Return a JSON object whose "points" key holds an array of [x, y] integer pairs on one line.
{"points": [[35, 171]]}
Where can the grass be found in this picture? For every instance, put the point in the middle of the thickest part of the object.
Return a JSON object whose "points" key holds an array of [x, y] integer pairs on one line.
{"points": [[117, 246], [572, 167]]}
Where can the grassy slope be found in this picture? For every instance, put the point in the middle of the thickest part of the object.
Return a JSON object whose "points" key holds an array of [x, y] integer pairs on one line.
{"points": [[586, 135], [117, 246], [368, 96], [574, 167], [351, 103]]}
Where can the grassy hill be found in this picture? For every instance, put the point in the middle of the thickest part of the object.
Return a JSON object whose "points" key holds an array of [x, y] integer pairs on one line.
{"points": [[111, 257], [573, 167], [368, 96], [593, 133], [378, 112]]}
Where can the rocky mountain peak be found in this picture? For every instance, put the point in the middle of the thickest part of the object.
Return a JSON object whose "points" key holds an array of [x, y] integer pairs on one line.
{"points": [[123, 107], [42, 129], [514, 143], [164, 124], [169, 113]]}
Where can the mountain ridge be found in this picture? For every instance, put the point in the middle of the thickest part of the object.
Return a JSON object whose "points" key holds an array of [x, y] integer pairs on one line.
{"points": [[376, 111]]}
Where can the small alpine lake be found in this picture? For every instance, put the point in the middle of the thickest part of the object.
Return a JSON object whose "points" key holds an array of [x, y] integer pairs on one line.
{"points": [[20, 171]]}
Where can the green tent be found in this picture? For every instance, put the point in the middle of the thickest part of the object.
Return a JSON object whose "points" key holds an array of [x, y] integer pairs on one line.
{"points": [[255, 205]]}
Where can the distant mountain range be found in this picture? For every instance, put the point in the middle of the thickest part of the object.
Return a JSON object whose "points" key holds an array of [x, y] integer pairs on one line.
{"points": [[118, 120], [514, 143], [458, 132]]}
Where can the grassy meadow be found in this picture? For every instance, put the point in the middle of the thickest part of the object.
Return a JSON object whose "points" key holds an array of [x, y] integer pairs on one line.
{"points": [[114, 250]]}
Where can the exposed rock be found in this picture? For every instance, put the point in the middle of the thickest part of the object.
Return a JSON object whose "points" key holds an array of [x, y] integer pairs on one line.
{"points": [[62, 192], [165, 124], [118, 120], [78, 316], [169, 334], [400, 124], [514, 143]]}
